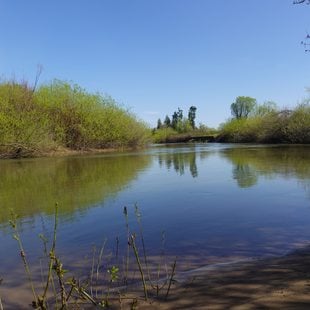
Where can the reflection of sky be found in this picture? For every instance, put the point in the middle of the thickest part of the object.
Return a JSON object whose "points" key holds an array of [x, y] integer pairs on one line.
{"points": [[208, 215]]}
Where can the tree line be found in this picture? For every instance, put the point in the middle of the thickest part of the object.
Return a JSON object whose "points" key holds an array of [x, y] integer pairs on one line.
{"points": [[178, 122]]}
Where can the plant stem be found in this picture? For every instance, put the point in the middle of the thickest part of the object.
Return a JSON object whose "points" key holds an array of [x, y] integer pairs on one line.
{"points": [[135, 250], [51, 254], [171, 277]]}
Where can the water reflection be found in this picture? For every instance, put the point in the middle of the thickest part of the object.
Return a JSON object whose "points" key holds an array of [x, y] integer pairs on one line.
{"points": [[33, 186], [244, 175], [182, 161], [252, 162], [196, 194]]}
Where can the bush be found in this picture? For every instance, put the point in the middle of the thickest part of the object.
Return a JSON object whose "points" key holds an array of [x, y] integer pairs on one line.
{"points": [[298, 127], [162, 135], [275, 127], [63, 115]]}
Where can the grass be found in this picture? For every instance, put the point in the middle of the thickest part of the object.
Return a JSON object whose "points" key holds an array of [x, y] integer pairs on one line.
{"points": [[107, 284], [63, 115]]}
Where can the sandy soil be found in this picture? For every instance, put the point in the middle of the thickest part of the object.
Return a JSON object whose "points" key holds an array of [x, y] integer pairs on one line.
{"points": [[273, 283]]}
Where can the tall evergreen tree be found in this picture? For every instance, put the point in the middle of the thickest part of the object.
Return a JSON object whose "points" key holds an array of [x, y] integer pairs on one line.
{"points": [[159, 124], [192, 116], [167, 121]]}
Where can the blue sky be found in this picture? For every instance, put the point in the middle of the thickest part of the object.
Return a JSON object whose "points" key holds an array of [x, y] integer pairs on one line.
{"points": [[154, 56]]}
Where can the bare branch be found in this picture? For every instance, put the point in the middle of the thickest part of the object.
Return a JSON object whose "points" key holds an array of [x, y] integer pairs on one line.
{"points": [[301, 1]]}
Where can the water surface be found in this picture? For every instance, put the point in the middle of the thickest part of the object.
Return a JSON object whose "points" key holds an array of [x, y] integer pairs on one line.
{"points": [[213, 201]]}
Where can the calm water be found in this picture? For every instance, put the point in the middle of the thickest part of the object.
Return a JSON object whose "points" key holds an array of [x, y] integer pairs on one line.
{"points": [[214, 202]]}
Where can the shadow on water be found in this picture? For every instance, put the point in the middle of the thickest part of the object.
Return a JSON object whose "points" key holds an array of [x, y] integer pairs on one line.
{"points": [[33, 186]]}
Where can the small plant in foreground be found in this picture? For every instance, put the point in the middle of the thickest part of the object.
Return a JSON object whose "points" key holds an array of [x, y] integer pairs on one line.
{"points": [[103, 287]]}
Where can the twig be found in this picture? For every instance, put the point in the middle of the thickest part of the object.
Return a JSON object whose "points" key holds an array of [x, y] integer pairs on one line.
{"points": [[171, 277]]}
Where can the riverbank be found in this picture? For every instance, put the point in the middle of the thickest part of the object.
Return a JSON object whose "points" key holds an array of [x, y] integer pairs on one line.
{"points": [[66, 152], [271, 283]]}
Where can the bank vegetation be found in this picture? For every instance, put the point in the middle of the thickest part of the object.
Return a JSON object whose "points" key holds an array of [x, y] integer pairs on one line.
{"points": [[62, 116], [266, 123]]}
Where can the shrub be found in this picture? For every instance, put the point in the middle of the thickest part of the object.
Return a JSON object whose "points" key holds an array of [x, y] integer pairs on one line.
{"points": [[63, 115]]}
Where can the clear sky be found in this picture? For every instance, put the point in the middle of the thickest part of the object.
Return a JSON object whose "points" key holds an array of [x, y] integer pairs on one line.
{"points": [[154, 56]]}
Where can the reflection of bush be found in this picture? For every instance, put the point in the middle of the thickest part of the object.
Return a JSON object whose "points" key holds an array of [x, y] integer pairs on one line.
{"points": [[245, 175], [31, 186], [285, 161]]}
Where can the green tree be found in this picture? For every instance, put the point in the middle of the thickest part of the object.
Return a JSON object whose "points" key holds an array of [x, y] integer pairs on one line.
{"points": [[177, 117], [242, 107], [180, 114], [192, 116], [167, 121], [159, 124], [174, 121], [266, 108]]}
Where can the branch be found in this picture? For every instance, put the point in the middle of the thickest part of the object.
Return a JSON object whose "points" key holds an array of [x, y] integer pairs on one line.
{"points": [[301, 1]]}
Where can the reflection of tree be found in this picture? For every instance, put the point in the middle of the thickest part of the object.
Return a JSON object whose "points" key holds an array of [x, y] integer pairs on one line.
{"points": [[193, 167], [180, 162], [245, 175], [252, 162], [306, 185], [33, 186]]}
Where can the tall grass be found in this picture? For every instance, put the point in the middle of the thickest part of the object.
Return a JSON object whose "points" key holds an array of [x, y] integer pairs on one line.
{"points": [[286, 126], [63, 115]]}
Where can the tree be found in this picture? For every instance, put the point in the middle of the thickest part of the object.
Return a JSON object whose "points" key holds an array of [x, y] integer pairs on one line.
{"points": [[192, 116], [174, 121], [267, 107], [176, 118], [242, 107], [159, 124], [180, 114], [167, 121]]}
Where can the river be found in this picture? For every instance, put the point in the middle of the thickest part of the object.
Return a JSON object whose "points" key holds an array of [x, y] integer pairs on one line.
{"points": [[201, 203]]}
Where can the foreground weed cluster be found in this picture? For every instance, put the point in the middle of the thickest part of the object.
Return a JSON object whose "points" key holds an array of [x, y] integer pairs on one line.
{"points": [[111, 280]]}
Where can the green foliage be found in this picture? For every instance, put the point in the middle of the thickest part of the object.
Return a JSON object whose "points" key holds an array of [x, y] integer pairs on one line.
{"points": [[192, 116], [177, 126], [23, 124], [63, 115], [269, 126], [167, 121], [242, 107], [177, 118], [159, 124], [113, 272], [161, 135], [266, 108], [298, 127]]}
